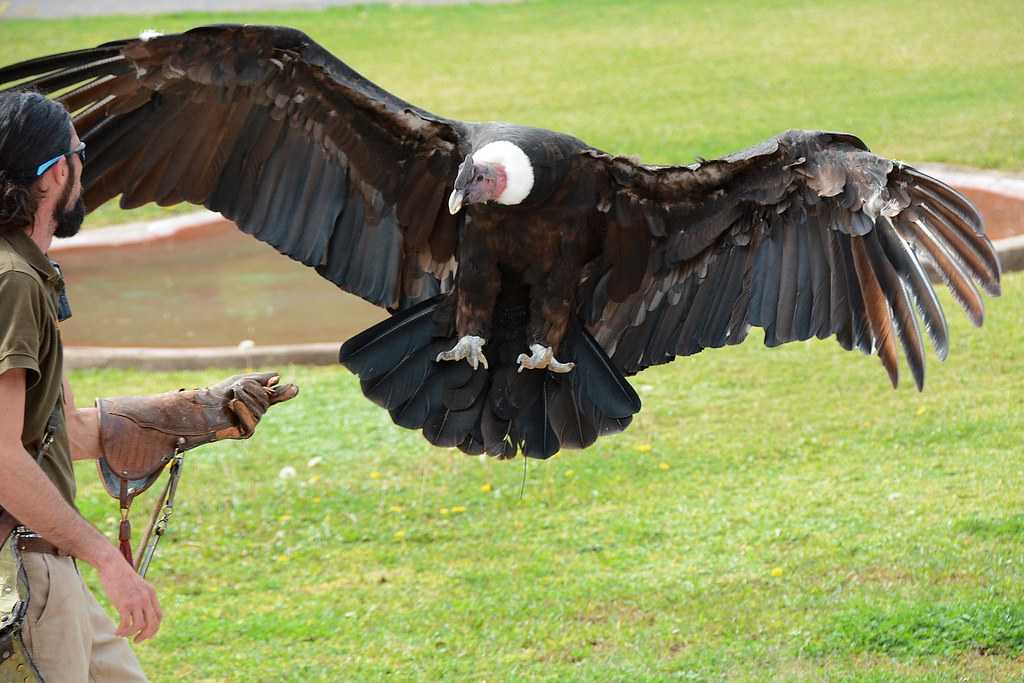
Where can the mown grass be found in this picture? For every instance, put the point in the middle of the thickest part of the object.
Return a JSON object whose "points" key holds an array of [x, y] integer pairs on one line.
{"points": [[668, 81], [772, 514]]}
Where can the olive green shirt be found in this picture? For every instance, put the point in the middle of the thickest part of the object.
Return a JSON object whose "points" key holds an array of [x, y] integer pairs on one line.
{"points": [[30, 340]]}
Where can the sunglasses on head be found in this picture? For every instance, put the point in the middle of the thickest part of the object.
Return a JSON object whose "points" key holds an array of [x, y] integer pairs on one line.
{"points": [[80, 151]]}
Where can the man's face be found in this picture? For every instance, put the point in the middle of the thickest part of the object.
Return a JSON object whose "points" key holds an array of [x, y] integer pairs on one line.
{"points": [[69, 211]]}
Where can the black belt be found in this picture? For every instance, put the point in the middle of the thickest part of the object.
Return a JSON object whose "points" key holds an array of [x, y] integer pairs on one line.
{"points": [[31, 542]]}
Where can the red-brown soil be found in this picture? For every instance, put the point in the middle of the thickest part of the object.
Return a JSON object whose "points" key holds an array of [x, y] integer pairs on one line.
{"points": [[1004, 216]]}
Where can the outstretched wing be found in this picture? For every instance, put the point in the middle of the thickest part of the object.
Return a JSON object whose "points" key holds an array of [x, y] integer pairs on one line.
{"points": [[267, 127], [806, 235]]}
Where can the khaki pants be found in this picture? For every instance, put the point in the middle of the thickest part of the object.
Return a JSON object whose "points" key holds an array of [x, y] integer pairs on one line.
{"points": [[70, 637]]}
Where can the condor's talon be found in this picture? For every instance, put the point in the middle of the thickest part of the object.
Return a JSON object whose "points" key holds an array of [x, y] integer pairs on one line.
{"points": [[540, 359], [561, 368], [469, 348], [543, 357]]}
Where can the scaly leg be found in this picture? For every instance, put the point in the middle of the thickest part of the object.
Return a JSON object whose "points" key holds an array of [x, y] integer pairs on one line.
{"points": [[551, 310], [477, 289]]}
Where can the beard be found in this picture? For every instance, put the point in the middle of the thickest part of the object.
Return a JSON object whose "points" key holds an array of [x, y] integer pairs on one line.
{"points": [[68, 220]]}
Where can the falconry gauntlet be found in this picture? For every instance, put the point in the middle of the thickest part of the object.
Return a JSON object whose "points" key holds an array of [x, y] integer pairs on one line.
{"points": [[139, 435]]}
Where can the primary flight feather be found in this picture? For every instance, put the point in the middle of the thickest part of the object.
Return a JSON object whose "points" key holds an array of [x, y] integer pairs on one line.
{"points": [[527, 272]]}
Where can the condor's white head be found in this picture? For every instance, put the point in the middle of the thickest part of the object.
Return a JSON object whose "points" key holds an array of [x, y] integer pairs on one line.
{"points": [[497, 172]]}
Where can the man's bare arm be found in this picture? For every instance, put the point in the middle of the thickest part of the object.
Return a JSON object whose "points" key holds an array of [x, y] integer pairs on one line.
{"points": [[83, 427], [27, 494]]}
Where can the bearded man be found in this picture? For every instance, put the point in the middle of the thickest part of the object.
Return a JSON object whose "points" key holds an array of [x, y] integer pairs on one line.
{"points": [[65, 632]]}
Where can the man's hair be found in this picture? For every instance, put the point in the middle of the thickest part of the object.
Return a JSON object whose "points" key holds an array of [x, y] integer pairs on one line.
{"points": [[33, 130]]}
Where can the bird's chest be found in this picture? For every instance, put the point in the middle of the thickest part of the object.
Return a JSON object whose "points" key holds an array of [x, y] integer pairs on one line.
{"points": [[530, 246]]}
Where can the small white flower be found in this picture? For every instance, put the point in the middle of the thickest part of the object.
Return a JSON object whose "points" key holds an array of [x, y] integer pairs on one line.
{"points": [[287, 472], [313, 462]]}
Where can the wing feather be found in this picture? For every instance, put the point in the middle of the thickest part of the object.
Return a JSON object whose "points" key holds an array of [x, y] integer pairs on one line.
{"points": [[913, 274], [782, 328], [895, 291], [951, 272], [267, 127], [806, 235], [877, 308], [63, 61], [819, 314]]}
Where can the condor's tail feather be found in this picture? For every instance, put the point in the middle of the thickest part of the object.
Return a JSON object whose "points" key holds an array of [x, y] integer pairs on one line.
{"points": [[497, 410]]}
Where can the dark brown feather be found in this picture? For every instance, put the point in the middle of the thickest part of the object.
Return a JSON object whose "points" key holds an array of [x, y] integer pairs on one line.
{"points": [[877, 308], [822, 268], [952, 274], [896, 294], [105, 86], [65, 77], [984, 271], [906, 264], [626, 245], [789, 268], [62, 61], [226, 94]]}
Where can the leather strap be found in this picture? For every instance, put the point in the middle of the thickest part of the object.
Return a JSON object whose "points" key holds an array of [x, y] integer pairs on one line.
{"points": [[33, 543]]}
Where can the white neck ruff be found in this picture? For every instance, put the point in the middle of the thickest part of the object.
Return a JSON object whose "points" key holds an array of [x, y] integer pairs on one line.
{"points": [[518, 170]]}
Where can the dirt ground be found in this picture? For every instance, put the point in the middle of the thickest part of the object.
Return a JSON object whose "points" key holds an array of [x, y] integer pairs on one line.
{"points": [[1004, 216]]}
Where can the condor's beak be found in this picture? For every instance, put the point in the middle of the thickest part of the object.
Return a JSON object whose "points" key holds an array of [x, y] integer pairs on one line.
{"points": [[455, 201]]}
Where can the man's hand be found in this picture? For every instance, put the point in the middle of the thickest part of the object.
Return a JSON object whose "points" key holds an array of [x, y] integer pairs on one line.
{"points": [[133, 598]]}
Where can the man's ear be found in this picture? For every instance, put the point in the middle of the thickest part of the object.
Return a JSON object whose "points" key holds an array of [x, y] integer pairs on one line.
{"points": [[63, 169], [55, 176]]}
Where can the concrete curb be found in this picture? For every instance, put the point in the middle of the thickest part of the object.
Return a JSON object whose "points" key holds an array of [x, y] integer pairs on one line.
{"points": [[139, 233], [997, 182], [1010, 251], [79, 357]]}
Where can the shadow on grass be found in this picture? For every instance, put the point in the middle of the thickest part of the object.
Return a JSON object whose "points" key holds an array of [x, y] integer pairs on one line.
{"points": [[1005, 528], [923, 629]]}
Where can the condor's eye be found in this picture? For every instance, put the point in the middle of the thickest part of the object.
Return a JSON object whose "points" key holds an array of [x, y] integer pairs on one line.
{"points": [[479, 178]]}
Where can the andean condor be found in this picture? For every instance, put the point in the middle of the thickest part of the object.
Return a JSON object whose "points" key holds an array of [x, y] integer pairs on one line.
{"points": [[527, 272]]}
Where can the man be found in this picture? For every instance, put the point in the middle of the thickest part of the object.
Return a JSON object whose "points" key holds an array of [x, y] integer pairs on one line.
{"points": [[67, 634]]}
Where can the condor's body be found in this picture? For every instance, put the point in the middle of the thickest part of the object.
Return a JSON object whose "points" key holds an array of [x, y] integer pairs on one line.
{"points": [[532, 253], [528, 274]]}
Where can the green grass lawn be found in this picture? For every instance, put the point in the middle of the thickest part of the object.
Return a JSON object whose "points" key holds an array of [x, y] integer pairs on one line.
{"points": [[669, 80], [771, 514]]}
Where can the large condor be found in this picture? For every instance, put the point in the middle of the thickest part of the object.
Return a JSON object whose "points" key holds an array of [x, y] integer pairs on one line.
{"points": [[527, 272]]}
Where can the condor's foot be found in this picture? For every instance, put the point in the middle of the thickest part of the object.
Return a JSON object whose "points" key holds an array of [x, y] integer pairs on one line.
{"points": [[469, 348], [543, 357]]}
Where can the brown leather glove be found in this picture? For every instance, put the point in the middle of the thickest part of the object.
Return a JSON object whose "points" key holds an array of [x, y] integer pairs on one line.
{"points": [[139, 434], [248, 397]]}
